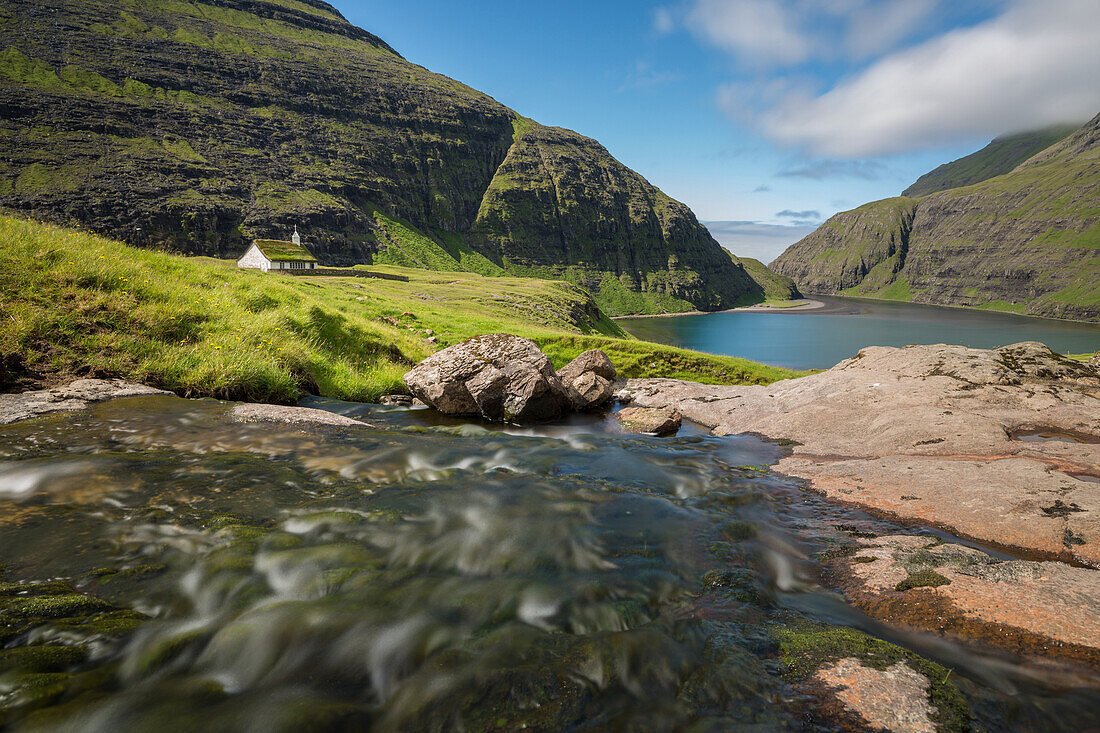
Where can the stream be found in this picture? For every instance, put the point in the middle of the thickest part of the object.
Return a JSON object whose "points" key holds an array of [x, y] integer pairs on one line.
{"points": [[169, 569]]}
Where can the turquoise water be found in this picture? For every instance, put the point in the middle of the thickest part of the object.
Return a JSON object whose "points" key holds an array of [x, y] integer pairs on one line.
{"points": [[819, 339]]}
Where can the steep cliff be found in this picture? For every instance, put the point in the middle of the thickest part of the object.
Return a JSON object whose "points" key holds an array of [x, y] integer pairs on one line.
{"points": [[196, 126], [1027, 241]]}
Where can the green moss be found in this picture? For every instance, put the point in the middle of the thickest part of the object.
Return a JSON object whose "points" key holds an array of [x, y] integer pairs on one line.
{"points": [[82, 79], [806, 648], [57, 606], [19, 68], [922, 578], [37, 659], [182, 149]]}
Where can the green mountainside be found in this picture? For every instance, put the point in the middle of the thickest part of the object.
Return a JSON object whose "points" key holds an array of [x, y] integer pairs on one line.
{"points": [[1027, 241], [195, 127], [776, 287], [999, 157]]}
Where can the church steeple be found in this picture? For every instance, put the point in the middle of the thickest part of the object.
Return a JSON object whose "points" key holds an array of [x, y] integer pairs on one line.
{"points": [[296, 239]]}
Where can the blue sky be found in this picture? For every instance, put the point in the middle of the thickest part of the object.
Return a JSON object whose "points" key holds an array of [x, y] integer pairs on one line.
{"points": [[769, 115]]}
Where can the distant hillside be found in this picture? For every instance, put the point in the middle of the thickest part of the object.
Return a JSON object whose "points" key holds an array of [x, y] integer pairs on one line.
{"points": [[997, 158], [196, 126], [1027, 241], [776, 286]]}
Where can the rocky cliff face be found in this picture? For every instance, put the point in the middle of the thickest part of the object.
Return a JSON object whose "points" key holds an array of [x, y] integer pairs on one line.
{"points": [[1027, 241], [196, 126]]}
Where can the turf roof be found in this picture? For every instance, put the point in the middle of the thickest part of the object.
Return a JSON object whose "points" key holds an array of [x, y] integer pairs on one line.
{"points": [[278, 251]]}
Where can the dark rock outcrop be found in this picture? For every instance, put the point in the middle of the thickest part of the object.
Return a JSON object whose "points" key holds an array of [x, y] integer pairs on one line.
{"points": [[1025, 241], [196, 127], [500, 377]]}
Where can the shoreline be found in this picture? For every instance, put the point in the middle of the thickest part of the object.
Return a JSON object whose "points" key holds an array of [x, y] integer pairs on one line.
{"points": [[808, 305], [839, 309]]}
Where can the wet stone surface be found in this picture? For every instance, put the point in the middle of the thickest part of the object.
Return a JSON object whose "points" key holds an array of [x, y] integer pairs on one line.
{"points": [[166, 566]]}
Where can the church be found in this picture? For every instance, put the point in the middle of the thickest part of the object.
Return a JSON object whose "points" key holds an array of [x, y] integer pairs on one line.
{"points": [[272, 254]]}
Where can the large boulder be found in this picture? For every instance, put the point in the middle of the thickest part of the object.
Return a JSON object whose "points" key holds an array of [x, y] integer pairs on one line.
{"points": [[500, 377], [587, 380]]}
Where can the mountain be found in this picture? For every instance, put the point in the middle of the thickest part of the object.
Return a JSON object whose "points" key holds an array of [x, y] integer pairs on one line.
{"points": [[195, 127], [999, 157], [775, 286], [1027, 241]]}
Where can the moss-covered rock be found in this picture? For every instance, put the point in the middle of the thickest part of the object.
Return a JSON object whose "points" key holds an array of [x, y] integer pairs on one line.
{"points": [[804, 649]]}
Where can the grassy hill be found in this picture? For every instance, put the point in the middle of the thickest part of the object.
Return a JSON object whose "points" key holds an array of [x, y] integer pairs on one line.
{"points": [[997, 158], [1026, 242], [776, 287], [196, 126], [75, 304]]}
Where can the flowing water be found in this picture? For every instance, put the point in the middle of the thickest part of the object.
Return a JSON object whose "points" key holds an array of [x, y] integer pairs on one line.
{"points": [[189, 573], [821, 338]]}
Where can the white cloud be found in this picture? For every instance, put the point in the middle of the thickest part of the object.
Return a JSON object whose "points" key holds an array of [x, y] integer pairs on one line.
{"points": [[663, 20], [783, 33], [759, 32], [644, 76], [1036, 64], [876, 28]]}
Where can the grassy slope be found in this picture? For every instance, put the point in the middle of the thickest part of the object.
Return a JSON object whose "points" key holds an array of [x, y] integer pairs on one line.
{"points": [[75, 304], [995, 159], [777, 288]]}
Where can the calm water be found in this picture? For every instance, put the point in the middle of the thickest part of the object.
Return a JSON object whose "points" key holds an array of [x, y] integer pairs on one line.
{"points": [[819, 339], [166, 569]]}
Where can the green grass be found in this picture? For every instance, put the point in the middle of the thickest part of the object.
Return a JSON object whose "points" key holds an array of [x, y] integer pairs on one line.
{"points": [[409, 247], [75, 304]]}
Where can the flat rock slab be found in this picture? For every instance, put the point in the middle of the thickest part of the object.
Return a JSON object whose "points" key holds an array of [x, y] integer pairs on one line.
{"points": [[1037, 607], [250, 412], [75, 396], [893, 699], [930, 433], [650, 420]]}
